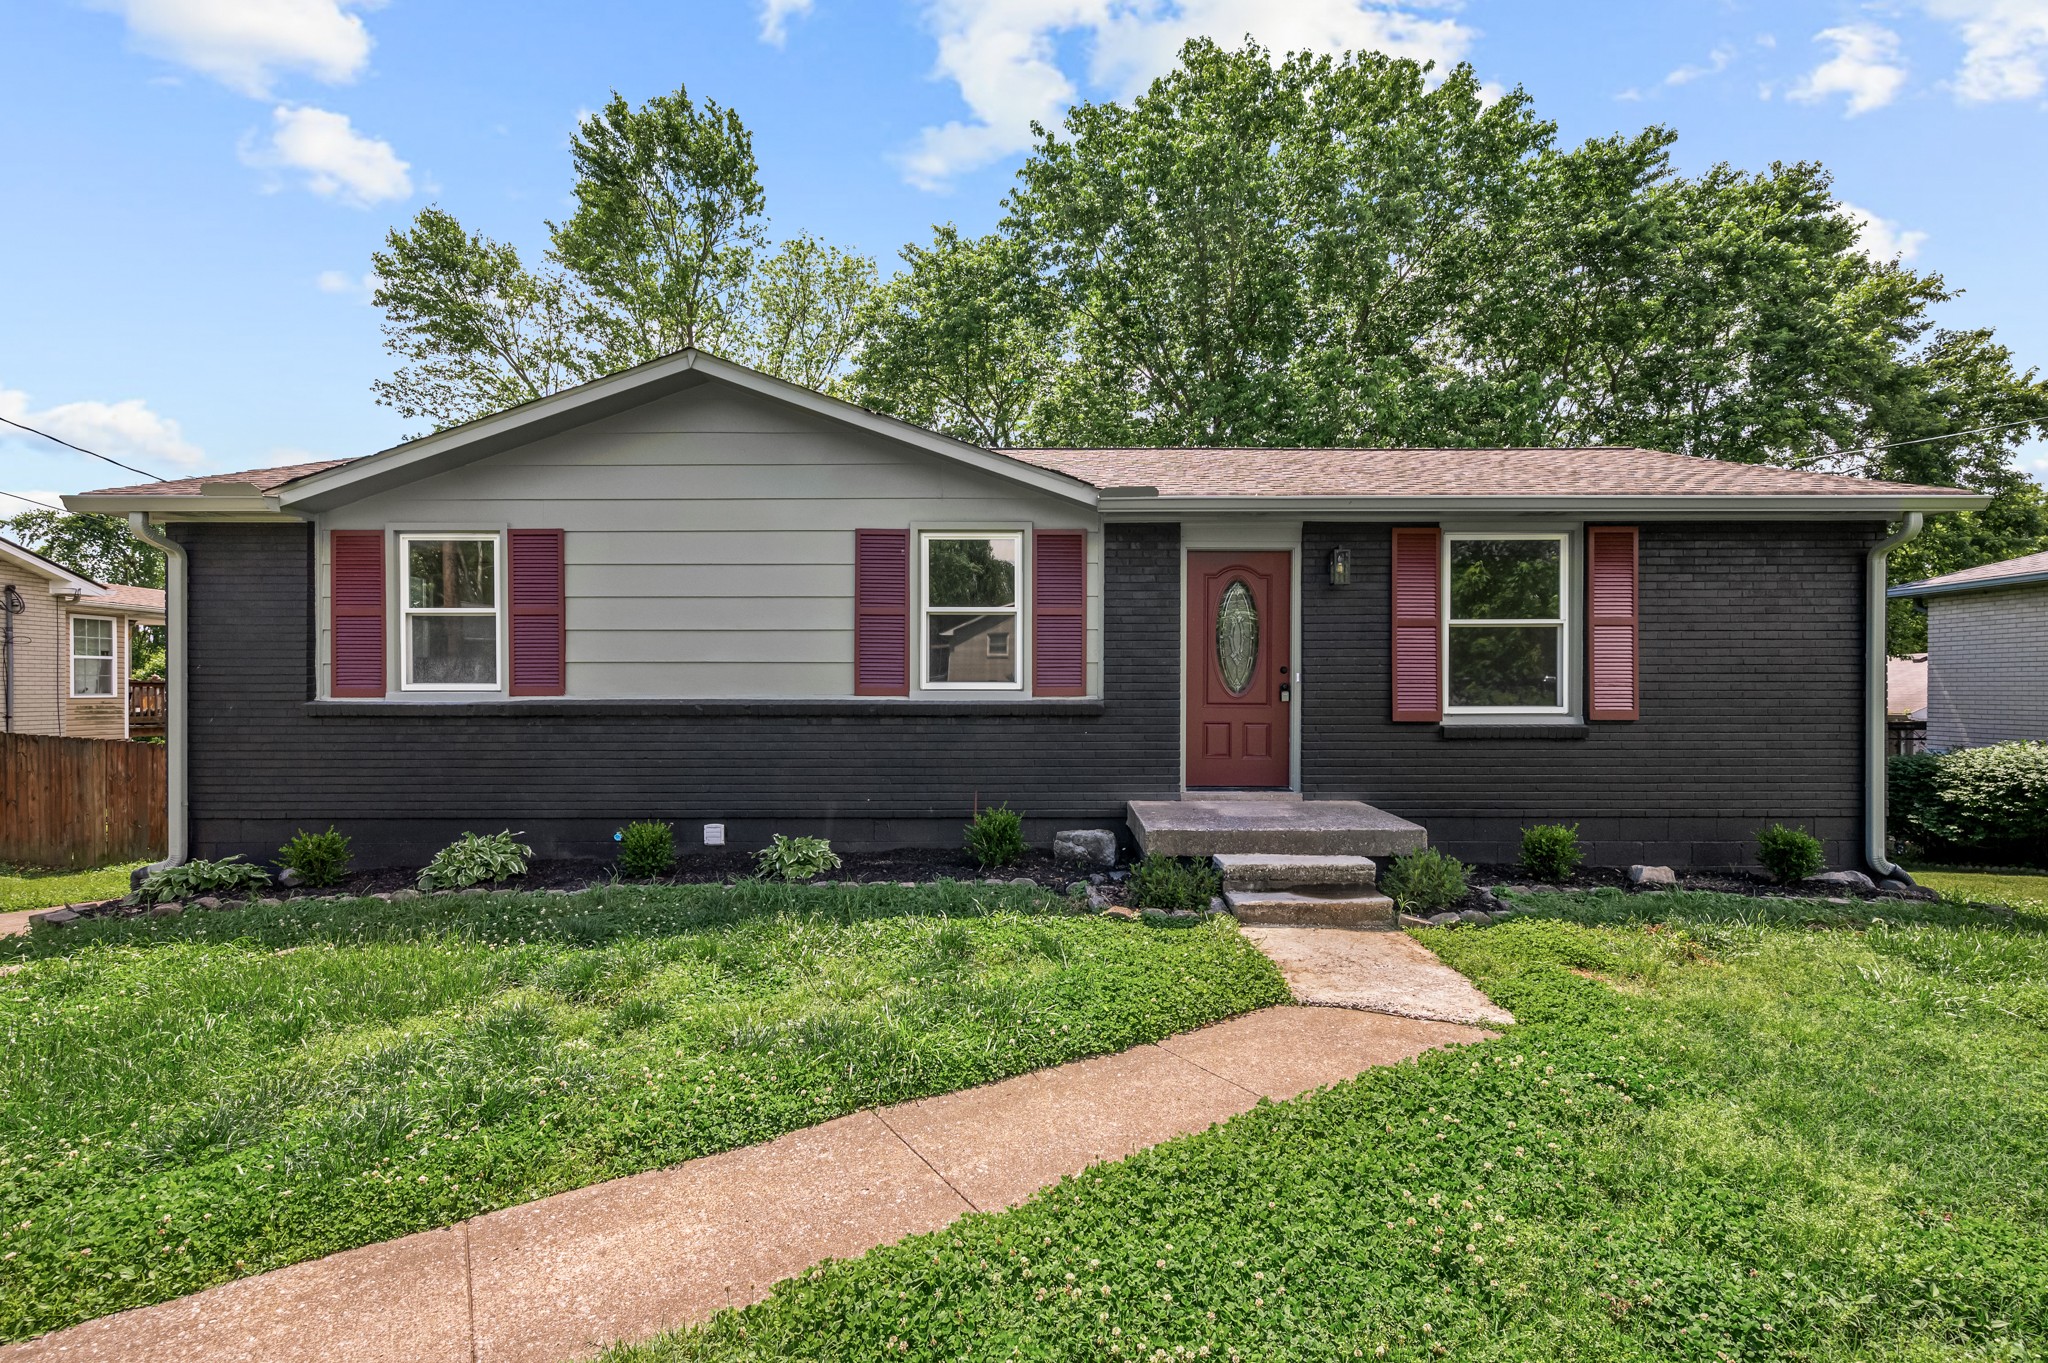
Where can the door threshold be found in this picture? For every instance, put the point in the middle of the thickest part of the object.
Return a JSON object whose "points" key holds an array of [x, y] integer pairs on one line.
{"points": [[1263, 793]]}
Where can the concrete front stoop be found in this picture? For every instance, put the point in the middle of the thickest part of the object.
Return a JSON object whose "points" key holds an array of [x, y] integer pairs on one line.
{"points": [[1303, 891], [1203, 827]]}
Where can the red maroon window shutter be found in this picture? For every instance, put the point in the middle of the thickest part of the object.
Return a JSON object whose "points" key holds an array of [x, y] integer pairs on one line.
{"points": [[1613, 634], [881, 612], [1059, 613], [538, 610], [355, 565], [1418, 636]]}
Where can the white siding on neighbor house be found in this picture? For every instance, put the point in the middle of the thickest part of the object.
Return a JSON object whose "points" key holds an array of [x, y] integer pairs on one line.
{"points": [[709, 540], [40, 654], [1987, 667]]}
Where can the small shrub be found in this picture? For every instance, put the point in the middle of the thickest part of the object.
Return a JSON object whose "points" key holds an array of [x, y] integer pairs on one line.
{"points": [[1425, 881], [795, 859], [319, 858], [1992, 802], [228, 876], [1550, 851], [647, 849], [1174, 883], [475, 859], [1789, 854], [995, 837]]}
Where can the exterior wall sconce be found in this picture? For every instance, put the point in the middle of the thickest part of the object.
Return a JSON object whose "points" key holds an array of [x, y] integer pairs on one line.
{"points": [[1340, 567]]}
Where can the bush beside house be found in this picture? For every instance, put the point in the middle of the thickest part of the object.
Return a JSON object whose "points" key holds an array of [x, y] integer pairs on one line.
{"points": [[1985, 805]]}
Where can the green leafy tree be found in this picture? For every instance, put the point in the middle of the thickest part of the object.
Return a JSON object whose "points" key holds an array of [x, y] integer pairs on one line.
{"points": [[99, 547], [804, 311], [666, 227], [474, 329]]}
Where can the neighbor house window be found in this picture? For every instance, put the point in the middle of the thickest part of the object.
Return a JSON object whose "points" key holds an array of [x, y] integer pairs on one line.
{"points": [[92, 656], [1504, 622], [971, 613], [450, 632]]}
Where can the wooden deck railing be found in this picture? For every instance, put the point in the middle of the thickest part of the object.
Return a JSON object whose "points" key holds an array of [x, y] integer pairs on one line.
{"points": [[80, 801], [147, 702]]}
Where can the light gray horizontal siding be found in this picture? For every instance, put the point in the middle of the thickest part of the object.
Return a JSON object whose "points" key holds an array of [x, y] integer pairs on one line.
{"points": [[1987, 667], [709, 539]]}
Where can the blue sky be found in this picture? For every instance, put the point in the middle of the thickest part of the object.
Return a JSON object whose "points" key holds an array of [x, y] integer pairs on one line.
{"points": [[193, 187]]}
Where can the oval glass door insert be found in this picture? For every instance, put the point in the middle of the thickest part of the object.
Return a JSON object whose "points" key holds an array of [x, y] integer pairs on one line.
{"points": [[1237, 637]]}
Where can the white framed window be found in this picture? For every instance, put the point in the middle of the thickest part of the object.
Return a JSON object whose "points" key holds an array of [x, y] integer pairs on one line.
{"points": [[973, 608], [92, 656], [1506, 644], [451, 628]]}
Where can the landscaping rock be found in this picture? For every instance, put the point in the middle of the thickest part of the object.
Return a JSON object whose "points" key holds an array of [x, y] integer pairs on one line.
{"points": [[168, 909], [1409, 920], [290, 878], [1843, 880], [1085, 847], [1652, 877], [137, 876], [268, 903], [52, 918], [1899, 889], [1098, 879], [401, 896], [1024, 882], [1216, 904], [1478, 918], [1444, 920], [1129, 915], [207, 901]]}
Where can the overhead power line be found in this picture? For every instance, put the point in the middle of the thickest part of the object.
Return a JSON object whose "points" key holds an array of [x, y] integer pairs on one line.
{"points": [[1922, 440], [32, 502], [83, 450]]}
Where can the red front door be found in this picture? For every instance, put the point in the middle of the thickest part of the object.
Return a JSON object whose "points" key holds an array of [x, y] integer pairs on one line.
{"points": [[1240, 647]]}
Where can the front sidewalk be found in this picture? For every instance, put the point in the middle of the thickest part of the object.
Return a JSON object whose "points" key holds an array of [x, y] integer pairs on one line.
{"points": [[564, 1276]]}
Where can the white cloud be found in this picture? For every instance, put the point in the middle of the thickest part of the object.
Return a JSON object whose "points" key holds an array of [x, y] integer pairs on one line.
{"points": [[2005, 47], [126, 430], [337, 161], [775, 17], [1717, 62], [341, 282], [1866, 68], [1882, 239], [247, 44], [1003, 56]]}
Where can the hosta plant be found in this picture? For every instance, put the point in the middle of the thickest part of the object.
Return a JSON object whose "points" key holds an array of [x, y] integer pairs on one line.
{"points": [[796, 858], [227, 876], [476, 859]]}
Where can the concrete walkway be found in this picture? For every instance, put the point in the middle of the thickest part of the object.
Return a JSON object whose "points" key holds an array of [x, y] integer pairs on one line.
{"points": [[15, 924], [562, 1277], [1380, 972]]}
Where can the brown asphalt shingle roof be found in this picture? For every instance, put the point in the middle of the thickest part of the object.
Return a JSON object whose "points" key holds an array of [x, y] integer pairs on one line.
{"points": [[1596, 472], [1592, 472], [145, 599], [1984, 574], [263, 480]]}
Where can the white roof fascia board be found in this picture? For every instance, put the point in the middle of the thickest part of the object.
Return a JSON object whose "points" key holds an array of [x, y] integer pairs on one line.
{"points": [[623, 391], [182, 507], [1680, 506], [1981, 584], [63, 582]]}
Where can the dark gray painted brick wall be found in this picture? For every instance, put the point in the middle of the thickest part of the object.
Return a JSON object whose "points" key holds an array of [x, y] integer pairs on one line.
{"points": [[402, 786], [1752, 696]]}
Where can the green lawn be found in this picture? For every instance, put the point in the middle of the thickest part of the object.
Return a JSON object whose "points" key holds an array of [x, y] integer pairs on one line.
{"points": [[24, 888], [1724, 1129], [183, 1101], [2026, 892]]}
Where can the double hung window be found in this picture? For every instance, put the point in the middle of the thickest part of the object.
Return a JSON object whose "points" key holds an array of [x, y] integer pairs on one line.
{"points": [[92, 656], [1504, 623], [451, 632], [972, 610]]}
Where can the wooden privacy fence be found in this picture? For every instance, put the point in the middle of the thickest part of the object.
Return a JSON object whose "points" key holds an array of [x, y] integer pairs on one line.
{"points": [[78, 802]]}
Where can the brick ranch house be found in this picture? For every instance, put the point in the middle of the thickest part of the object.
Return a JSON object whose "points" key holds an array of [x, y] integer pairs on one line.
{"points": [[1987, 652], [692, 592], [64, 646]]}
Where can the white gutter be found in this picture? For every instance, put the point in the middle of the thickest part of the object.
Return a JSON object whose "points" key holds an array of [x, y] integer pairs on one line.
{"points": [[1874, 655], [175, 814]]}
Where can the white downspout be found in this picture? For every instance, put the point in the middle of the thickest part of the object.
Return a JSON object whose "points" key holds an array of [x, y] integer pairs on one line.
{"points": [[177, 848], [1875, 653]]}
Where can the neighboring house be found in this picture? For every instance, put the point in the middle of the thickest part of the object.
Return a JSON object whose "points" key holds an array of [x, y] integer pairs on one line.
{"points": [[1987, 652], [64, 651], [1905, 689], [693, 592]]}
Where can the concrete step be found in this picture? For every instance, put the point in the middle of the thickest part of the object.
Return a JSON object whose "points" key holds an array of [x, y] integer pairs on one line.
{"points": [[1207, 828], [1262, 871], [1336, 908]]}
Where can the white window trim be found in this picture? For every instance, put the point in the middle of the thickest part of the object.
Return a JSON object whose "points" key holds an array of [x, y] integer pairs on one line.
{"points": [[1563, 622], [113, 659], [924, 614], [406, 610]]}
